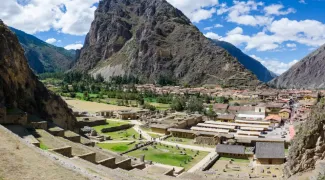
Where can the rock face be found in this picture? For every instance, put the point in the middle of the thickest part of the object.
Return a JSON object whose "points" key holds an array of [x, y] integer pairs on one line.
{"points": [[262, 73], [308, 146], [149, 39], [43, 57], [20, 88], [308, 73]]}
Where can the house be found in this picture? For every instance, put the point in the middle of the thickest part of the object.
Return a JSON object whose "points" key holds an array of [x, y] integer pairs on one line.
{"points": [[232, 151], [160, 128], [275, 120], [220, 108], [126, 115], [233, 109], [268, 96], [273, 108], [226, 118], [285, 113], [106, 114], [269, 153]]}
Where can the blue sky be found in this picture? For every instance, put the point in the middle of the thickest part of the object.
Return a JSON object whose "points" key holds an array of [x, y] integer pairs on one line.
{"points": [[278, 33]]}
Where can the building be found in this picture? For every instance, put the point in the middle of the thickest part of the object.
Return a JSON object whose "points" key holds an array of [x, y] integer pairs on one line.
{"points": [[269, 153], [226, 118], [268, 96], [126, 115], [106, 114], [220, 108], [160, 128], [231, 151], [275, 120], [285, 113]]}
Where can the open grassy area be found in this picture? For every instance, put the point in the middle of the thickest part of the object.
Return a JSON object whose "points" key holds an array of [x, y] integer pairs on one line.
{"points": [[237, 160], [116, 147], [160, 106], [170, 155], [43, 146], [123, 135]]}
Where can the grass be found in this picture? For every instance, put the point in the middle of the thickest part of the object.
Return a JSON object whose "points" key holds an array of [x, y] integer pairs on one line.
{"points": [[237, 160], [286, 151], [170, 156], [116, 147], [160, 106], [43, 146], [154, 135]]}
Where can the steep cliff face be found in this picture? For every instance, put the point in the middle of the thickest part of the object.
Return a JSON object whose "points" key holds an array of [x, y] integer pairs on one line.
{"points": [[20, 88], [43, 57], [151, 38], [262, 73], [308, 73], [308, 146]]}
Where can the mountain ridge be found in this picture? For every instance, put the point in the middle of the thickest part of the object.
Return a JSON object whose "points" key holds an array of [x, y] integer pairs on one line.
{"points": [[308, 73], [44, 57], [262, 73], [149, 39]]}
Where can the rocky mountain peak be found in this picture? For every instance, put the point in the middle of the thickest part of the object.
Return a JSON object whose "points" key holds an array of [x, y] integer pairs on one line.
{"points": [[149, 39], [20, 88]]}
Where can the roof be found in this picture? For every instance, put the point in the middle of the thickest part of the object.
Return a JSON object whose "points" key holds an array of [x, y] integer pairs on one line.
{"points": [[161, 126], [232, 149], [286, 110], [229, 116], [273, 117], [233, 108], [270, 150], [274, 105]]}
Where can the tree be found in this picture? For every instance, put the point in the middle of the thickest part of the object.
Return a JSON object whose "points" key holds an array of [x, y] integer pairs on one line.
{"points": [[149, 106], [221, 99], [210, 112], [99, 78], [194, 104], [178, 104]]}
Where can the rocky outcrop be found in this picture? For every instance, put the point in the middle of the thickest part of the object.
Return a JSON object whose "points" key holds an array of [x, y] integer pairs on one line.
{"points": [[20, 88], [308, 146], [308, 73], [43, 57], [262, 73], [149, 39]]}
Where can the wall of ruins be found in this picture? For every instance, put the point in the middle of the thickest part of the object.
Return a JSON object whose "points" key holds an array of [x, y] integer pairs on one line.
{"points": [[65, 151], [117, 128], [16, 119], [207, 140], [91, 157], [125, 164], [110, 163]]}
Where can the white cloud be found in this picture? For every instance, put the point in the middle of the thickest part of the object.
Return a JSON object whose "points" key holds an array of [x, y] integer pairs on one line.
{"points": [[51, 40], [208, 28], [275, 9], [218, 26], [275, 65], [31, 16], [196, 11], [291, 45], [237, 30], [212, 35], [240, 13], [73, 46], [302, 1], [211, 27]]}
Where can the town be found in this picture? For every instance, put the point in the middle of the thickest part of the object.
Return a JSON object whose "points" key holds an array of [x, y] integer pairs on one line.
{"points": [[247, 135]]}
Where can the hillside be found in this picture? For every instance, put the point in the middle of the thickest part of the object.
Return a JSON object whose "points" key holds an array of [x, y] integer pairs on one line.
{"points": [[20, 88], [262, 73], [151, 39], [308, 73], [43, 57]]}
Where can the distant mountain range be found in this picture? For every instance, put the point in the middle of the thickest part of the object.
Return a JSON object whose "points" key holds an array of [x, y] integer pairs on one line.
{"points": [[262, 73], [308, 73], [43, 57]]}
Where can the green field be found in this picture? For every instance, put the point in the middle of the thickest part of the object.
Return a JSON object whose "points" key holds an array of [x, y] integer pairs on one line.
{"points": [[118, 135], [170, 156], [116, 147]]}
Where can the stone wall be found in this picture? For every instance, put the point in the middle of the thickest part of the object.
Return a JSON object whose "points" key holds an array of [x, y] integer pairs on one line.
{"points": [[16, 119], [270, 161], [39, 125], [91, 157], [207, 140], [65, 151], [125, 164], [91, 123], [110, 163], [117, 128], [3, 113]]}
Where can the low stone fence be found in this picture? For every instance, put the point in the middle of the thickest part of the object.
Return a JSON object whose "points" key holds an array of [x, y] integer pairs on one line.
{"points": [[65, 151], [117, 128], [210, 163], [91, 157]]}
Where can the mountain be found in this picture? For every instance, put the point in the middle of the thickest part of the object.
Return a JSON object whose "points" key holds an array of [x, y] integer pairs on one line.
{"points": [[262, 73], [151, 39], [20, 88], [43, 57], [308, 73]]}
